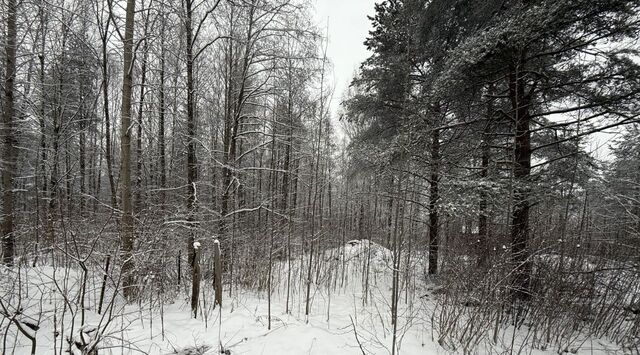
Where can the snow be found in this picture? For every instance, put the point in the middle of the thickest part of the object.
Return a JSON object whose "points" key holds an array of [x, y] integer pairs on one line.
{"points": [[359, 250], [240, 326]]}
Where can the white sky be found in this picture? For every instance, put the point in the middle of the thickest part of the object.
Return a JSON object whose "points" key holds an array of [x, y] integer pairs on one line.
{"points": [[348, 27]]}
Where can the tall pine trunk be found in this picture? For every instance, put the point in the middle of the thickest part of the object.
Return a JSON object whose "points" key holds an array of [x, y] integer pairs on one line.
{"points": [[9, 140], [521, 173]]}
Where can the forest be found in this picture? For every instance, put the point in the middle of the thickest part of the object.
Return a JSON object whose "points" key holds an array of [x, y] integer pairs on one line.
{"points": [[175, 180]]}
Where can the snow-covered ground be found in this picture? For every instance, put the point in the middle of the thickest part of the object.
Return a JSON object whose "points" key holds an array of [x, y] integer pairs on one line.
{"points": [[342, 319]]}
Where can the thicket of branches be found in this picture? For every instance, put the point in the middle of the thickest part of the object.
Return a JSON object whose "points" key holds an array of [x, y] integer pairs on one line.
{"points": [[478, 122], [218, 125], [133, 129]]}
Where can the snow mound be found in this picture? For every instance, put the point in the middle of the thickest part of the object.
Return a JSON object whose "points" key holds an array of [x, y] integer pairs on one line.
{"points": [[198, 350], [361, 251], [553, 261]]}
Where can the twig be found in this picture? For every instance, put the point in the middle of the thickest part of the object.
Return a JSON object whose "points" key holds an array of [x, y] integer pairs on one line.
{"points": [[356, 334]]}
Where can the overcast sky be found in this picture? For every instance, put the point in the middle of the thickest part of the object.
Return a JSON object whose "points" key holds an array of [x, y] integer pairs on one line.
{"points": [[348, 27]]}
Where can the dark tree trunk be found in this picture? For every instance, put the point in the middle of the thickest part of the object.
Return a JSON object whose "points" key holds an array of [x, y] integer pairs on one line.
{"points": [[43, 133], [9, 139], [521, 171], [192, 167], [389, 217], [433, 202], [483, 217]]}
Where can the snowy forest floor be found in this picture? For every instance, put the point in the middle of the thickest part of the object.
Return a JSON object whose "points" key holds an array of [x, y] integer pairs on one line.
{"points": [[340, 322]]}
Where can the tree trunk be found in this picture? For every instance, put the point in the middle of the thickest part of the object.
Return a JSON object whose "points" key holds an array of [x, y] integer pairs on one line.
{"points": [[127, 231], [483, 217], [217, 273], [143, 73], [43, 133], [315, 182], [9, 139], [195, 281], [521, 172], [107, 120], [433, 202], [161, 121], [226, 138], [192, 168]]}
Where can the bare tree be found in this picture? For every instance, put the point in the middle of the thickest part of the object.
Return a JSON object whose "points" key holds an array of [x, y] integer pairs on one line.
{"points": [[127, 224]]}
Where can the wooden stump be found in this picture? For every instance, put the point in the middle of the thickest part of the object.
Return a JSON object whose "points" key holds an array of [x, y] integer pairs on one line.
{"points": [[195, 287], [217, 273]]}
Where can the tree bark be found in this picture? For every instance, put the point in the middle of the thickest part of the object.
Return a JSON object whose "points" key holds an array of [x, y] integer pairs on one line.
{"points": [[521, 172], [107, 118], [143, 73], [9, 139], [192, 167], [195, 282], [433, 202], [127, 228], [161, 121]]}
